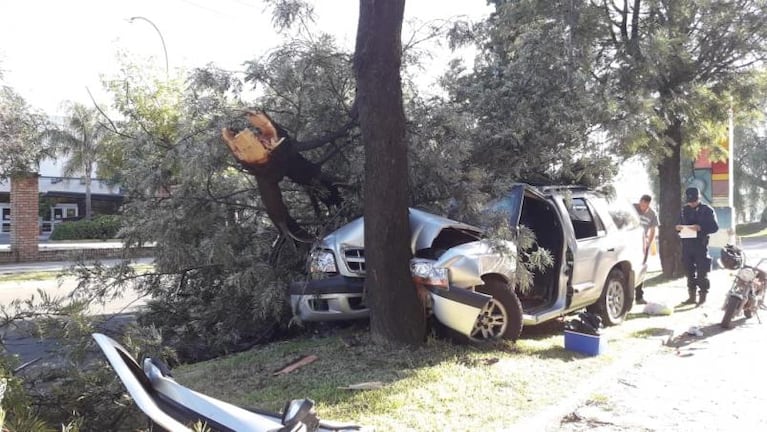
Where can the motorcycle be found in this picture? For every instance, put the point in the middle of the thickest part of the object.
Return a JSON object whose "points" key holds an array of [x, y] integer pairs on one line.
{"points": [[746, 296], [175, 408]]}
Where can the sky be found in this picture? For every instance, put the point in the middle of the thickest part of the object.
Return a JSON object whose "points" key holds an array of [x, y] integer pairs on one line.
{"points": [[51, 50]]}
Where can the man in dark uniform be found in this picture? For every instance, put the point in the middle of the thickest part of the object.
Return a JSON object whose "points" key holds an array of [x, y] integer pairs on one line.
{"points": [[696, 222]]}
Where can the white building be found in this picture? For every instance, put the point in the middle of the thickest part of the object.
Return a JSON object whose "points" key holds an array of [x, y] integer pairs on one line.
{"points": [[62, 197]]}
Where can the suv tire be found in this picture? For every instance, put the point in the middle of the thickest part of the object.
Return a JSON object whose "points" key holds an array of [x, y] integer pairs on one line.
{"points": [[615, 300], [502, 317]]}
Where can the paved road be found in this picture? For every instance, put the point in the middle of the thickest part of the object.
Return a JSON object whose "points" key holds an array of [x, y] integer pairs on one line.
{"points": [[30, 348], [5, 239]]}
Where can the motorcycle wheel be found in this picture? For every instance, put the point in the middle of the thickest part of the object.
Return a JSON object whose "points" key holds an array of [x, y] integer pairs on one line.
{"points": [[729, 311], [748, 309]]}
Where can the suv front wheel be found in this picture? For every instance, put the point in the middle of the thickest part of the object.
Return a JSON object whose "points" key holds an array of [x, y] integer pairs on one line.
{"points": [[501, 318], [615, 300]]}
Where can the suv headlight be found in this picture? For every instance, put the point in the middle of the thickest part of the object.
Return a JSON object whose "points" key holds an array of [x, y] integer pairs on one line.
{"points": [[322, 261], [425, 272]]}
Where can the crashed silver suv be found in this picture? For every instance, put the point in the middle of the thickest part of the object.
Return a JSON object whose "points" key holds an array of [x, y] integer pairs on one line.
{"points": [[595, 243]]}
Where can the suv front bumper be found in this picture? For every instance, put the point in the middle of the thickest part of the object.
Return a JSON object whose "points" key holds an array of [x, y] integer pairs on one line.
{"points": [[331, 299]]}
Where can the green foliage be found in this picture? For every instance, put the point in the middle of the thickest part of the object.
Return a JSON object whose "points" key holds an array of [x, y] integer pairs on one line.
{"points": [[16, 412], [287, 13], [753, 229], [750, 166], [45, 204], [687, 63], [21, 147], [72, 390], [214, 291], [532, 103], [101, 227], [82, 140], [563, 89]]}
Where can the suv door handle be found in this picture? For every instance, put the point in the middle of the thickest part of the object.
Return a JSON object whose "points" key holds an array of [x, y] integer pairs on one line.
{"points": [[612, 249]]}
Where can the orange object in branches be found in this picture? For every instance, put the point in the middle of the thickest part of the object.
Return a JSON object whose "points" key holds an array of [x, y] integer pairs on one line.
{"points": [[253, 147]]}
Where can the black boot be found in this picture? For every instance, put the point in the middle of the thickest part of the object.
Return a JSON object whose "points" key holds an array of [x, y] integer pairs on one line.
{"points": [[639, 296], [690, 297], [702, 298]]}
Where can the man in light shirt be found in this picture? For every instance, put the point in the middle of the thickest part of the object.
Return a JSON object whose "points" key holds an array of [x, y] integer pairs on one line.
{"points": [[649, 221]]}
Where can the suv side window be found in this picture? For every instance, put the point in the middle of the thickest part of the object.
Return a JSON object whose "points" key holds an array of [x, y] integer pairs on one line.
{"points": [[585, 223]]}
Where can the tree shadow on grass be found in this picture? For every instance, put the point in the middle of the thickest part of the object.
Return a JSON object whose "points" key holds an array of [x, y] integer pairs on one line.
{"points": [[657, 279], [652, 332], [547, 330], [543, 330]]}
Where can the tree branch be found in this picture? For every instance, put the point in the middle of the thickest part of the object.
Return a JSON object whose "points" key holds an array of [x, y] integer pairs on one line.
{"points": [[98, 108], [343, 131], [756, 181]]}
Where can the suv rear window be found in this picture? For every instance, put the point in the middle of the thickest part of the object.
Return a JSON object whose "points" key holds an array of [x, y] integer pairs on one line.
{"points": [[623, 213], [585, 223]]}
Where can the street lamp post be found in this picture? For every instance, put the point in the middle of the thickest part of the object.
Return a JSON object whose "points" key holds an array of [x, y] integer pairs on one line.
{"points": [[162, 40]]}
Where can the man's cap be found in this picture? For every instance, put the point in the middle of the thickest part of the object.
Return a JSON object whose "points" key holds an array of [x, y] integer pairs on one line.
{"points": [[692, 194]]}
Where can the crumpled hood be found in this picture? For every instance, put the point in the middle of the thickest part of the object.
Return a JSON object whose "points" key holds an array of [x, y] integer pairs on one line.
{"points": [[424, 228]]}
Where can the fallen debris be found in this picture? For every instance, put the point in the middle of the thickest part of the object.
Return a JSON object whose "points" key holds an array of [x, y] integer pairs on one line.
{"points": [[653, 308], [301, 362], [369, 385]]}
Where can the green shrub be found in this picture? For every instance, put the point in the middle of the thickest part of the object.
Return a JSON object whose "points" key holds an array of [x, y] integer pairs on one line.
{"points": [[101, 227], [750, 228]]}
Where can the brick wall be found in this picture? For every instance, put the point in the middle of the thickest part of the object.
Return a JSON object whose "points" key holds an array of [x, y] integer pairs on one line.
{"points": [[24, 213], [77, 254]]}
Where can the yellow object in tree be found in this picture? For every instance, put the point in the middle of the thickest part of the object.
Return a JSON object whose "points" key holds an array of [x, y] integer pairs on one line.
{"points": [[253, 147], [246, 146]]}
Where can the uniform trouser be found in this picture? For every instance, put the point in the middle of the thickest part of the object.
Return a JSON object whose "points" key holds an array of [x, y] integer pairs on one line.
{"points": [[697, 264]]}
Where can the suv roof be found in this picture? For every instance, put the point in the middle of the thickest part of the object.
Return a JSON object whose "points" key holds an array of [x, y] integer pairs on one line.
{"points": [[562, 188]]}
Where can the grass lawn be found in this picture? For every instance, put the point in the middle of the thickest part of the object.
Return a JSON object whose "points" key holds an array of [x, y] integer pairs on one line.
{"points": [[53, 274], [29, 276], [441, 385], [756, 229]]}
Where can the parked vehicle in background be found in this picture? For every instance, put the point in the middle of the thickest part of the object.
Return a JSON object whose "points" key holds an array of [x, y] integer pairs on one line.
{"points": [[595, 243]]}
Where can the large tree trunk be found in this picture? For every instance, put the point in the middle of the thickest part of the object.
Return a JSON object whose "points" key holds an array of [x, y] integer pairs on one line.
{"points": [[396, 315], [670, 204]]}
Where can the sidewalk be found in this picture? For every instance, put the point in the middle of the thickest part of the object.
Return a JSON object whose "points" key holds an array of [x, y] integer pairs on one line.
{"points": [[668, 380], [45, 244]]}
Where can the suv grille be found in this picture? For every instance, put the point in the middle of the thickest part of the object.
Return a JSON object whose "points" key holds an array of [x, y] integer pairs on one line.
{"points": [[355, 260]]}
